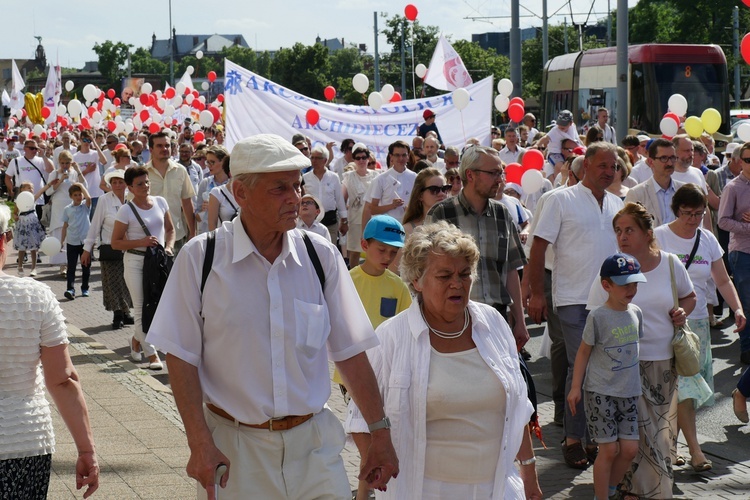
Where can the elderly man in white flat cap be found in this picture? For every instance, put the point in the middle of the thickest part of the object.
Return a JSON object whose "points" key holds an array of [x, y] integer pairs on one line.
{"points": [[249, 318]]}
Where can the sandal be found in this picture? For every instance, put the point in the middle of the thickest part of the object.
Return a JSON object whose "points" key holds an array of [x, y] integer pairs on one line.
{"points": [[575, 456], [741, 412], [680, 460], [704, 466]]}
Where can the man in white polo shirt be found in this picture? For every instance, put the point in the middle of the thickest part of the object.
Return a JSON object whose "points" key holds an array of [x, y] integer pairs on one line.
{"points": [[390, 191], [577, 222], [248, 329]]}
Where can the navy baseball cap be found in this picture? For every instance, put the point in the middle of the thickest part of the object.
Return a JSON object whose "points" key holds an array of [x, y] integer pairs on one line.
{"points": [[622, 269], [385, 229]]}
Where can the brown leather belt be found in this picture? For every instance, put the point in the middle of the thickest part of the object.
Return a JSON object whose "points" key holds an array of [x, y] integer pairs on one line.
{"points": [[274, 424]]}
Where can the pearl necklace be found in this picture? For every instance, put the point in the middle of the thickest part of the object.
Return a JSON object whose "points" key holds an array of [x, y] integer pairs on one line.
{"points": [[447, 335]]}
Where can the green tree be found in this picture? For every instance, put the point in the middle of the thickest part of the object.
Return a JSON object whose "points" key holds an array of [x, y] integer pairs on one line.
{"points": [[142, 62], [201, 67], [112, 58], [303, 68], [424, 39], [242, 56], [346, 63], [264, 64]]}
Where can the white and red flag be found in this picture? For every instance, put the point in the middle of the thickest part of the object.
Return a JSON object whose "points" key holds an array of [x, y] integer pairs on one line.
{"points": [[447, 71]]}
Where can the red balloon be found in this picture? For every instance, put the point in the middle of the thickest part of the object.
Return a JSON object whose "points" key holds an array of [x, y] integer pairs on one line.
{"points": [[154, 128], [169, 93], [101, 95], [674, 117], [85, 123], [396, 97], [53, 134], [151, 100], [745, 48], [410, 11], [516, 112], [111, 93], [533, 159], [330, 93], [100, 105], [145, 115], [312, 117], [46, 112], [144, 99], [513, 173], [215, 111], [212, 76], [116, 101], [516, 100], [111, 126], [197, 104], [199, 136], [91, 110], [195, 93], [220, 97], [44, 135], [746, 2]]}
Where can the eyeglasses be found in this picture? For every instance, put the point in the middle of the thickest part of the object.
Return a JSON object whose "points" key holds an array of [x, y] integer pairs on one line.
{"points": [[666, 159], [307, 203], [436, 190], [746, 160], [360, 158], [111, 142], [304, 149], [31, 148], [495, 174], [692, 215]]}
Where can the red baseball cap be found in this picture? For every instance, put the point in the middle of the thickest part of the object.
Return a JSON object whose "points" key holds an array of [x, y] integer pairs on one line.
{"points": [[428, 114]]}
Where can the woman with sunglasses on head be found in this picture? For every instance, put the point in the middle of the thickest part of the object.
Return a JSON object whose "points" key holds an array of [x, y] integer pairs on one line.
{"points": [[354, 186], [454, 179], [594, 134], [217, 177], [429, 188]]}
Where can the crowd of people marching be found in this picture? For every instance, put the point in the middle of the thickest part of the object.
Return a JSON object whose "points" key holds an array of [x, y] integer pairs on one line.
{"points": [[448, 261]]}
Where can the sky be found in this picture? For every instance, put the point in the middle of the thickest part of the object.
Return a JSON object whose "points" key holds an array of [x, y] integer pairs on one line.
{"points": [[70, 29]]}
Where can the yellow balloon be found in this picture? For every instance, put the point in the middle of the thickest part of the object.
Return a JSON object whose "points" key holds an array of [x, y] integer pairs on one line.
{"points": [[711, 119], [33, 105], [693, 126]]}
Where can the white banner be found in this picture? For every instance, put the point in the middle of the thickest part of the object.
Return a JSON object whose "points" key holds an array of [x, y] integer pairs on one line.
{"points": [[255, 105]]}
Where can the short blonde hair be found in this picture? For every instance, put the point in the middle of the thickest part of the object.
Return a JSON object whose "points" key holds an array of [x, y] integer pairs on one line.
{"points": [[439, 238], [65, 155]]}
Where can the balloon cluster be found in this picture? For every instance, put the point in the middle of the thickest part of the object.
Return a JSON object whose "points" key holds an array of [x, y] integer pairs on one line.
{"points": [[515, 107], [709, 121], [529, 173]]}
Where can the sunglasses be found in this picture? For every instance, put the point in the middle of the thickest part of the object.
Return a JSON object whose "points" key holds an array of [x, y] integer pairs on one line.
{"points": [[360, 158], [307, 203], [436, 190], [746, 160]]}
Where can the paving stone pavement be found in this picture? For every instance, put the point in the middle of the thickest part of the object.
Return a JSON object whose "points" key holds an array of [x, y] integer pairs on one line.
{"points": [[143, 451]]}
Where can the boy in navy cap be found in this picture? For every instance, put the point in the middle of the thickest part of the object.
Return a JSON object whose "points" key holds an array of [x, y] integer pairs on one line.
{"points": [[608, 356]]}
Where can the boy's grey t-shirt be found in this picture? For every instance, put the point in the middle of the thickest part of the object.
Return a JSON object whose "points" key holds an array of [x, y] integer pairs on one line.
{"points": [[613, 366]]}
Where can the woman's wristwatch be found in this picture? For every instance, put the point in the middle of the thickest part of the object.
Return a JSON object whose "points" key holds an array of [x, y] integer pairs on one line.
{"points": [[385, 423], [528, 461]]}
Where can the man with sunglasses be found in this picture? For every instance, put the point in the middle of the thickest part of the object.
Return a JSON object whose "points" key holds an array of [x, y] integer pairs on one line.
{"points": [[530, 121], [29, 168], [656, 193]]}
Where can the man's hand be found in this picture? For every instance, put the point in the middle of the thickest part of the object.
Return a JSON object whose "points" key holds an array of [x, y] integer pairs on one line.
{"points": [[381, 462], [537, 308], [520, 333], [86, 258], [202, 467]]}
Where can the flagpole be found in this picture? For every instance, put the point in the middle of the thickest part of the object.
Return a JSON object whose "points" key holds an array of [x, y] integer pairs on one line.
{"points": [[413, 83]]}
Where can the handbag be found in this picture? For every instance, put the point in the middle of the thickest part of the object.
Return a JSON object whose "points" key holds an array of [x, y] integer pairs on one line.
{"points": [[686, 344], [108, 254]]}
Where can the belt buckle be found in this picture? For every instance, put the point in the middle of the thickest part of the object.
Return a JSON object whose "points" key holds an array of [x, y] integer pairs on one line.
{"points": [[272, 420]]}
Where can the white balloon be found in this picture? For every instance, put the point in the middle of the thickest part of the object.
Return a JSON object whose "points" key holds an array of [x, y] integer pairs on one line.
{"points": [[204, 85], [50, 246], [532, 181], [375, 100], [146, 88], [190, 70], [180, 88], [69, 85], [177, 101], [169, 110], [96, 117], [505, 87], [156, 118], [137, 122], [199, 54], [19, 113], [678, 104], [387, 92], [189, 98], [461, 98], [202, 99], [361, 83], [24, 201], [158, 95], [196, 126], [132, 101], [118, 119], [420, 70], [120, 128], [61, 109], [185, 110], [90, 93], [668, 127], [138, 106], [743, 132], [206, 118], [38, 129], [129, 127], [75, 107], [161, 103], [502, 103]]}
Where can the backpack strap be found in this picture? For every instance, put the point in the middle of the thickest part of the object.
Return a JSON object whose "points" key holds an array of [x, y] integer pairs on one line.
{"points": [[314, 258], [208, 259]]}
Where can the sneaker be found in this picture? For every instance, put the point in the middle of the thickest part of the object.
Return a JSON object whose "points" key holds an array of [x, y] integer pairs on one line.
{"points": [[20, 270], [33, 273], [84, 293], [70, 294]]}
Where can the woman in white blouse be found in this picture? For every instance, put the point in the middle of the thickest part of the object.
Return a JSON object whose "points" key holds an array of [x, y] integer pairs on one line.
{"points": [[355, 183], [451, 382], [222, 206], [61, 179], [34, 354], [115, 292]]}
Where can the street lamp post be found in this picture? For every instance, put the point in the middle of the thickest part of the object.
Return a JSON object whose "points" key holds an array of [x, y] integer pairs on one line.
{"points": [[171, 47]]}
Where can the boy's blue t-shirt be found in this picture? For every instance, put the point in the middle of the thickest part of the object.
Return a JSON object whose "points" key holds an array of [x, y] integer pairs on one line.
{"points": [[77, 218], [613, 368]]}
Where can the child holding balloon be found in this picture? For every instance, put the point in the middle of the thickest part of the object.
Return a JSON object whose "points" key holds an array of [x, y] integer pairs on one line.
{"points": [[28, 232]]}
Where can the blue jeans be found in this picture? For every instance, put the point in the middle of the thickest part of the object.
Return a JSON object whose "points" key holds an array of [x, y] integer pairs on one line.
{"points": [[739, 263], [74, 253]]}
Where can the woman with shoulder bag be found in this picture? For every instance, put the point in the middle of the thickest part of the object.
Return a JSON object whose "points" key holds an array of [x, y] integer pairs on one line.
{"points": [[115, 292], [129, 236]]}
